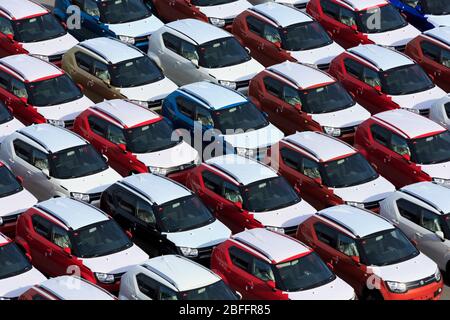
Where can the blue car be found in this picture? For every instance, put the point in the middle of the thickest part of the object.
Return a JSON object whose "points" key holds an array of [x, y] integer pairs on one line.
{"points": [[425, 14], [131, 21]]}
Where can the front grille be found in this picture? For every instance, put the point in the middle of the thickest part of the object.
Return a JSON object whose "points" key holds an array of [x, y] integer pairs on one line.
{"points": [[95, 196], [424, 112], [420, 283], [242, 84], [300, 6], [400, 48], [323, 66], [56, 57], [372, 205], [348, 130], [291, 231]]}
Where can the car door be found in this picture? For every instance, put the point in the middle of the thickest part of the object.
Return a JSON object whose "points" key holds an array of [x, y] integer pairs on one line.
{"points": [[101, 87], [412, 10], [252, 38], [436, 62], [272, 103], [125, 208], [82, 74], [146, 288], [91, 26], [59, 242], [238, 275], [7, 43], [39, 243], [269, 45], [186, 113], [8, 86]]}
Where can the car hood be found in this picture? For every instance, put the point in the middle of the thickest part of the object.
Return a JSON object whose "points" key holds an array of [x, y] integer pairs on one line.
{"points": [[91, 184], [337, 289], [374, 190], [322, 55], [414, 269], [206, 236], [137, 28], [51, 47], [180, 154], [118, 262], [225, 11], [437, 170], [349, 117], [239, 72], [439, 21], [16, 203], [397, 37], [9, 127], [15, 286], [150, 92], [285, 217], [260, 138], [66, 111], [419, 100]]}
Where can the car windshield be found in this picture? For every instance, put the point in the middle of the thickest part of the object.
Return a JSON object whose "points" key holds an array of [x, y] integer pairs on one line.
{"points": [[54, 91], [76, 162], [350, 171], [5, 114], [405, 80], [150, 138], [135, 72], [432, 149], [305, 36], [222, 53], [216, 291], [436, 7], [183, 214], [99, 239], [38, 28], [8, 183], [386, 248], [241, 117], [302, 274], [208, 3], [12, 261], [387, 18], [270, 194], [121, 11]]}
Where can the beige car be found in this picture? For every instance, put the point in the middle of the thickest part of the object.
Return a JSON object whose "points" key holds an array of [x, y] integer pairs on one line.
{"points": [[109, 69]]}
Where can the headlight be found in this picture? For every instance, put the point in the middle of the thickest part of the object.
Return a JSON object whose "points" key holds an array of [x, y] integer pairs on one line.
{"points": [[217, 22], [104, 277], [228, 84], [416, 111], [80, 196], [140, 103], [160, 171], [442, 182], [189, 252], [396, 287], [1, 221], [126, 39], [335, 132], [275, 229], [39, 56], [355, 204], [437, 275], [246, 152], [56, 123]]}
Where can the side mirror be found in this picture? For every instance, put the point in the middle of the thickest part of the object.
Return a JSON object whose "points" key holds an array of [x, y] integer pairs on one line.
{"points": [[318, 181], [354, 27], [123, 147], [68, 251], [330, 265], [28, 256], [19, 180], [407, 157], [277, 44], [195, 63], [24, 100], [129, 234], [97, 18], [271, 285], [105, 158], [10, 37], [248, 50], [356, 260], [298, 107], [378, 90], [238, 205], [80, 87], [440, 235], [46, 173]]}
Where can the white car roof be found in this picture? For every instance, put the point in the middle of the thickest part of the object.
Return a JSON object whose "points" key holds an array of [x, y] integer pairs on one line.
{"points": [[110, 49], [282, 15], [183, 274], [431, 193], [243, 170], [30, 68], [303, 76], [198, 31], [321, 146], [359, 5], [440, 33], [128, 114], [410, 124], [3, 239], [72, 288], [19, 9], [52, 138], [74, 214], [157, 188], [276, 247], [358, 221], [213, 95], [381, 57]]}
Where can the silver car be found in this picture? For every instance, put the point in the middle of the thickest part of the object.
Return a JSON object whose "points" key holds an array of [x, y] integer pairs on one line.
{"points": [[440, 112]]}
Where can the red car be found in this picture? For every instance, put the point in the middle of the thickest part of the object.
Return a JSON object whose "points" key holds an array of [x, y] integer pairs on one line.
{"points": [[406, 147], [265, 265], [432, 51]]}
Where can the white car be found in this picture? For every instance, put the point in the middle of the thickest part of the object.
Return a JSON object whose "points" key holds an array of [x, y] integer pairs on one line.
{"points": [[8, 124], [173, 277], [422, 212], [16, 272], [221, 15], [440, 112], [203, 52], [299, 4], [55, 162]]}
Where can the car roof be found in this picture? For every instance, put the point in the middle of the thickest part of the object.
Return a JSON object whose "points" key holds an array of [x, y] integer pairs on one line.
{"points": [[241, 169], [198, 31], [359, 5], [183, 274], [73, 288], [303, 76], [431, 193], [213, 95], [320, 145], [276, 247], [52, 138], [4, 239], [441, 34], [381, 57], [128, 114], [72, 213], [157, 189], [358, 221], [282, 15], [30, 68], [408, 123], [19, 9], [110, 49]]}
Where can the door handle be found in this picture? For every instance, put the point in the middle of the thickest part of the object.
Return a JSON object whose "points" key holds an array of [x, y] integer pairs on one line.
{"points": [[48, 252], [279, 109], [90, 83], [359, 91], [249, 285], [387, 159], [29, 172], [219, 206], [419, 235]]}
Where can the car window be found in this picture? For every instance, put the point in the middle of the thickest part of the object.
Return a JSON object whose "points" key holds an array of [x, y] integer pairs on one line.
{"points": [[411, 3], [84, 61], [147, 286], [409, 210], [381, 135], [18, 89], [273, 87], [447, 109], [204, 117], [346, 245], [212, 182], [371, 77], [291, 158], [144, 212], [6, 27], [115, 134], [4, 80], [310, 169], [354, 68], [262, 270], [240, 258], [167, 294], [231, 192], [326, 234], [98, 126], [42, 226], [445, 58], [347, 17], [39, 159], [291, 96], [399, 145], [37, 296], [126, 202], [60, 237], [186, 107], [91, 8], [23, 150], [171, 42], [431, 50], [329, 8], [255, 25], [188, 51], [430, 221], [271, 33], [101, 71]]}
